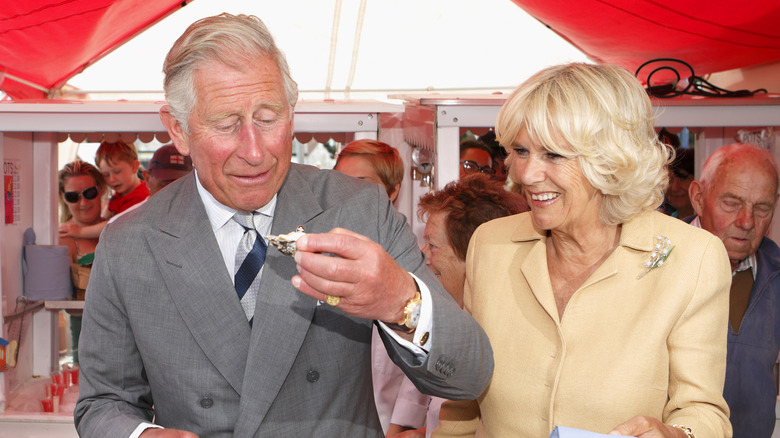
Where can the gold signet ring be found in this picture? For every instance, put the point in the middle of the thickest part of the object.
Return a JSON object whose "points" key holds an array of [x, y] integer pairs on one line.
{"points": [[333, 301]]}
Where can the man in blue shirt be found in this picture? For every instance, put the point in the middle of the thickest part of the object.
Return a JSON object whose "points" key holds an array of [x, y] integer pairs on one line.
{"points": [[735, 199]]}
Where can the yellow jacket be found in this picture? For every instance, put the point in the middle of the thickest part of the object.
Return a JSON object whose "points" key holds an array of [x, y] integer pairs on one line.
{"points": [[626, 346]]}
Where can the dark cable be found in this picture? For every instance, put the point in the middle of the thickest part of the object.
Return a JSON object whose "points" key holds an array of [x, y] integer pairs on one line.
{"points": [[696, 85]]}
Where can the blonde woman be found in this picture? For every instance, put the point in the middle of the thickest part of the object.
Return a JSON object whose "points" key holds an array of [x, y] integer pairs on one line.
{"points": [[603, 313], [82, 190]]}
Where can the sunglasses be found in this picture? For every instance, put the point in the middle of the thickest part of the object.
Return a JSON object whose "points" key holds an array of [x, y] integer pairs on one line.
{"points": [[89, 194], [472, 166]]}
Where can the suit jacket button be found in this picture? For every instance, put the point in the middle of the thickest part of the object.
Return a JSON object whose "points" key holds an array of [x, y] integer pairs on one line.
{"points": [[312, 376], [206, 402]]}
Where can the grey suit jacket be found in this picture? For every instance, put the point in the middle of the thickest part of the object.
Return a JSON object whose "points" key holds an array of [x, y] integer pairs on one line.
{"points": [[164, 335]]}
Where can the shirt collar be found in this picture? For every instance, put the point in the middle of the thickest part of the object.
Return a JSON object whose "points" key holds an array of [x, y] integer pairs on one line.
{"points": [[749, 262], [220, 214]]}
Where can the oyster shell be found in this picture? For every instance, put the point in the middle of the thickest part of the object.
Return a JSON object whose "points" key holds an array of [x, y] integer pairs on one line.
{"points": [[285, 243]]}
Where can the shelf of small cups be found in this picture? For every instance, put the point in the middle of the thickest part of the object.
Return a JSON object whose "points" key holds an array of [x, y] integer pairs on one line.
{"points": [[60, 382]]}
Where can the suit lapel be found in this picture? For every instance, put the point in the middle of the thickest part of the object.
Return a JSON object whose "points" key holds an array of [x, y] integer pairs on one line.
{"points": [[195, 276], [283, 314]]}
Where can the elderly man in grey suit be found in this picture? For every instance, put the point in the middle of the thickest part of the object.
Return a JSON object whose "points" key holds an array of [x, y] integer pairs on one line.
{"points": [[192, 327]]}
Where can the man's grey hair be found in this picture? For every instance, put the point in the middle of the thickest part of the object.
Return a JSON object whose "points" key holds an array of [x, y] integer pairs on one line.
{"points": [[232, 40]]}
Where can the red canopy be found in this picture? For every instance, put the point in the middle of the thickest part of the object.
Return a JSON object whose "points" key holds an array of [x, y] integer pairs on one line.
{"points": [[711, 36], [43, 43]]}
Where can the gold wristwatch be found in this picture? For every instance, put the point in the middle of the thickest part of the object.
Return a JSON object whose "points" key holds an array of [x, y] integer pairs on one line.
{"points": [[411, 314]]}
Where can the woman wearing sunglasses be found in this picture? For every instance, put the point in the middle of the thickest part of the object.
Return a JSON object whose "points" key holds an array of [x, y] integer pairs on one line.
{"points": [[82, 189]]}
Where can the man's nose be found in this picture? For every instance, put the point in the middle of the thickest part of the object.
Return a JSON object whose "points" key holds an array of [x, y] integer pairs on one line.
{"points": [[251, 148], [745, 218]]}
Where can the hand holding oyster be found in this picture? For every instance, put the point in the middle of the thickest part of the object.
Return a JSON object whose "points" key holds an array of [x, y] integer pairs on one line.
{"points": [[285, 243]]}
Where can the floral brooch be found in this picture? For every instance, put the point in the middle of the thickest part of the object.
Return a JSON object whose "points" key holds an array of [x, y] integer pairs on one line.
{"points": [[661, 251]]}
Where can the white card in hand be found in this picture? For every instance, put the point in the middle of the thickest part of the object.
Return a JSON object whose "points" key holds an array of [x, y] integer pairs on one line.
{"points": [[568, 432]]}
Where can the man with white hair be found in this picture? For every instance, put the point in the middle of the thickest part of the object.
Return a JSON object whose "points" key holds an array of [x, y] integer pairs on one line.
{"points": [[735, 199]]}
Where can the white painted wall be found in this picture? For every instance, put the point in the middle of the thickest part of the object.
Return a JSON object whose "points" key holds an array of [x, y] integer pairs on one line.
{"points": [[16, 146]]}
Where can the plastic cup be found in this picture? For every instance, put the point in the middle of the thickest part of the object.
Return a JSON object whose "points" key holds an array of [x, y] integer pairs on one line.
{"points": [[47, 404], [74, 376]]}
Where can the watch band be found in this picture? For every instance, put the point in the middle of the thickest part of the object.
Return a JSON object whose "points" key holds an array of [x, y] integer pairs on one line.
{"points": [[687, 430]]}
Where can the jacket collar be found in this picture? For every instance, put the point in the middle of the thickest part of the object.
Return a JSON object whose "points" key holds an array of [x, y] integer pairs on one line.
{"points": [[636, 233]]}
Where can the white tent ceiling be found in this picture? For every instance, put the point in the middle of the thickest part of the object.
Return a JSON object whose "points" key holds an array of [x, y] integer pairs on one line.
{"points": [[404, 45]]}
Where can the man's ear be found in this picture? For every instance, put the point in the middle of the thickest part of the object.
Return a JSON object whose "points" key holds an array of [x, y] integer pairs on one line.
{"points": [[394, 193], [175, 130], [696, 193]]}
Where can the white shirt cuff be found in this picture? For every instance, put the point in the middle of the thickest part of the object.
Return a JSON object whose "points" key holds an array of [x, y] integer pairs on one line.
{"points": [[423, 338], [142, 427]]}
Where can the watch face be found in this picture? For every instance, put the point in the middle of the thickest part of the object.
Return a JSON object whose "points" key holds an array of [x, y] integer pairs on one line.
{"points": [[414, 316]]}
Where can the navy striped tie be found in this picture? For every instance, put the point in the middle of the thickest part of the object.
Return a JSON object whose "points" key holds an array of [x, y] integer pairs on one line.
{"points": [[250, 256]]}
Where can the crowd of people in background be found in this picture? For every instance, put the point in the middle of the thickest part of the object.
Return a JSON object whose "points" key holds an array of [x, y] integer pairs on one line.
{"points": [[619, 292], [734, 199]]}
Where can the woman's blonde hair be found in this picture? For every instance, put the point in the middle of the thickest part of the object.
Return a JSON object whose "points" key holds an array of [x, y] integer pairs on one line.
{"points": [[601, 115]]}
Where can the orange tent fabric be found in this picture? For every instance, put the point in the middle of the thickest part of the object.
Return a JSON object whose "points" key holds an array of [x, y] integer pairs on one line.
{"points": [[43, 43]]}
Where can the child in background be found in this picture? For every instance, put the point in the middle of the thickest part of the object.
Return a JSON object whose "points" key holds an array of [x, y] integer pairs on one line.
{"points": [[166, 166], [118, 162]]}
